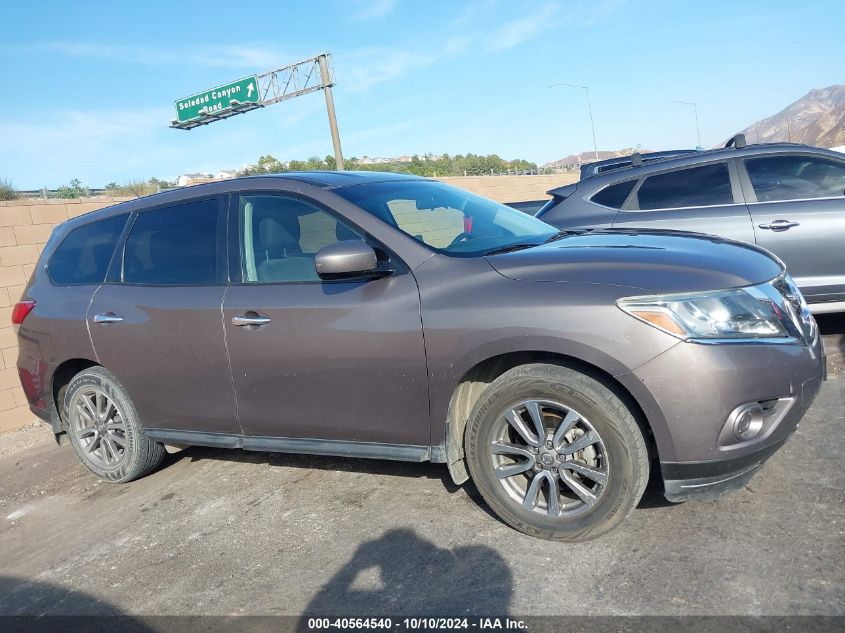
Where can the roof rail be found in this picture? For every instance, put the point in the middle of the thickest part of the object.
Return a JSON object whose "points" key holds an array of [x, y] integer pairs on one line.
{"points": [[737, 141]]}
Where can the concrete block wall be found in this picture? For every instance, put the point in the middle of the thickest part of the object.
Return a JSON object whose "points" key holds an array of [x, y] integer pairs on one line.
{"points": [[511, 188], [25, 226]]}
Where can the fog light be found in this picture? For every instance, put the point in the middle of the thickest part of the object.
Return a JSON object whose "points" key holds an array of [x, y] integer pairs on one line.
{"points": [[748, 421]]}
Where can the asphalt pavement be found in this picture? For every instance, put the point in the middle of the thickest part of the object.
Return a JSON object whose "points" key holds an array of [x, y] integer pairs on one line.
{"points": [[232, 532]]}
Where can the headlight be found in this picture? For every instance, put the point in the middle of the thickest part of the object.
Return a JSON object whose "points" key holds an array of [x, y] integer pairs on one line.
{"points": [[726, 314]]}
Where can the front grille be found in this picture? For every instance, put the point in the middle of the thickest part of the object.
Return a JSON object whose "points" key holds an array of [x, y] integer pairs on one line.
{"points": [[794, 302]]}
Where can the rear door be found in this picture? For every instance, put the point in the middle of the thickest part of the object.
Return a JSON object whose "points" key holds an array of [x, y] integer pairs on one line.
{"points": [[797, 203], [704, 199], [338, 360], [157, 324]]}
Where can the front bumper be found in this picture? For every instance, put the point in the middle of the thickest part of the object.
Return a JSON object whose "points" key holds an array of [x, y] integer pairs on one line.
{"points": [[687, 481], [689, 392]]}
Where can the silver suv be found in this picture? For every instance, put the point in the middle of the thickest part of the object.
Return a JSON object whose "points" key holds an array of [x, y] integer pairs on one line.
{"points": [[787, 198]]}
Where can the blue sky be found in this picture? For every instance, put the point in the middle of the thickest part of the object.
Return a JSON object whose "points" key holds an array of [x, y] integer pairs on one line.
{"points": [[88, 87]]}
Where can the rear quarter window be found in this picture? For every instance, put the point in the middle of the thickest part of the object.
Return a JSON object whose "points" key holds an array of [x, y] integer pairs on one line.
{"points": [[614, 196], [84, 255]]}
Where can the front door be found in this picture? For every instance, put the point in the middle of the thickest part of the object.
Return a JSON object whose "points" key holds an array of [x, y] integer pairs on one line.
{"points": [[797, 203], [158, 327], [324, 360]]}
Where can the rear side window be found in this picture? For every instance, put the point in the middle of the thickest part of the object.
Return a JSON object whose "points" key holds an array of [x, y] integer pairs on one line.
{"points": [[175, 245], [614, 196], [795, 177], [84, 255], [695, 187]]}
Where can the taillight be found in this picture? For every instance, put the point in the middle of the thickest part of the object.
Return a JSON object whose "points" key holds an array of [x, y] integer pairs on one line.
{"points": [[21, 310]]}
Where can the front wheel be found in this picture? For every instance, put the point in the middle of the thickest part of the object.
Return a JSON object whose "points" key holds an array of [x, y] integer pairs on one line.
{"points": [[105, 428], [555, 453]]}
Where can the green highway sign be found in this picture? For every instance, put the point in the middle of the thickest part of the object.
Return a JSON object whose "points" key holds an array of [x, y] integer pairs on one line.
{"points": [[217, 99]]}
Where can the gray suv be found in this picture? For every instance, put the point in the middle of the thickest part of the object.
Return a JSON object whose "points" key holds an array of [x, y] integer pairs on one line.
{"points": [[394, 317], [787, 198]]}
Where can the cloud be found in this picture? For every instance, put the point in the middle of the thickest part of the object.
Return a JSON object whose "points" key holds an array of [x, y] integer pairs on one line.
{"points": [[522, 29], [73, 144], [373, 9], [598, 12], [256, 57], [379, 131], [364, 67]]}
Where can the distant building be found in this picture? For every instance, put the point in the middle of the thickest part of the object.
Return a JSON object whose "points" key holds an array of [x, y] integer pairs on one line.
{"points": [[193, 179], [380, 160], [226, 174]]}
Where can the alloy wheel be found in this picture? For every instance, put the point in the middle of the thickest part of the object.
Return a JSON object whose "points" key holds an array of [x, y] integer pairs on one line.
{"points": [[98, 425], [549, 458]]}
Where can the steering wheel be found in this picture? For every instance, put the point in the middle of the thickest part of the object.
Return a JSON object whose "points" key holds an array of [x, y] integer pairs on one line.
{"points": [[460, 238]]}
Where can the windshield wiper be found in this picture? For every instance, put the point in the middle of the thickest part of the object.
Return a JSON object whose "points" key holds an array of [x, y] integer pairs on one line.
{"points": [[509, 249], [562, 234], [522, 245]]}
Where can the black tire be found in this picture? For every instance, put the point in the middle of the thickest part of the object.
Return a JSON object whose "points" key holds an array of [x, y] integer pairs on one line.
{"points": [[140, 455], [621, 436]]}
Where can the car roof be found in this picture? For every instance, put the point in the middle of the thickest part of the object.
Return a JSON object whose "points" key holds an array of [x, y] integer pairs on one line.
{"points": [[336, 179], [601, 166], [704, 156], [322, 179]]}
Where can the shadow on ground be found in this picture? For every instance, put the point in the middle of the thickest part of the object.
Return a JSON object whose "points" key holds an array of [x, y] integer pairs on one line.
{"points": [[832, 327], [401, 573], [39, 607]]}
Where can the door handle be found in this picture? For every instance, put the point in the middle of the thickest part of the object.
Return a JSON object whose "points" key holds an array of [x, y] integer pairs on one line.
{"points": [[108, 317], [244, 319], [778, 225]]}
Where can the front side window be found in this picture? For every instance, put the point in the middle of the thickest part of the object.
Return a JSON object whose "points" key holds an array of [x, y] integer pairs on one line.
{"points": [[281, 235], [175, 246], [446, 218], [614, 196], [695, 187], [84, 255], [795, 177]]}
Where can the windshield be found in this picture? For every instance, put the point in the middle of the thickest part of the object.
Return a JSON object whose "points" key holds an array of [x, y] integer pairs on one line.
{"points": [[448, 219]]}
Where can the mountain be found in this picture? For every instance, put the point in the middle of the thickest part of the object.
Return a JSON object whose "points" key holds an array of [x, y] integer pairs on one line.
{"points": [[574, 161], [817, 118]]}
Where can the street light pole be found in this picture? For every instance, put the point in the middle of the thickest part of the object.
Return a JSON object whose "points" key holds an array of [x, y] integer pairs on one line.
{"points": [[589, 109], [695, 110]]}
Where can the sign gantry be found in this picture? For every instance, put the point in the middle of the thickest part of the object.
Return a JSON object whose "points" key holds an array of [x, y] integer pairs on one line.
{"points": [[258, 91]]}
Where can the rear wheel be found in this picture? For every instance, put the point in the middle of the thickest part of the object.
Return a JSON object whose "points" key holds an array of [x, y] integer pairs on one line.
{"points": [[105, 428], [555, 453]]}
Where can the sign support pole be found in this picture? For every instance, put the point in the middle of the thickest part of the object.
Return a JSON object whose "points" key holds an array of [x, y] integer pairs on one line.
{"points": [[327, 89]]}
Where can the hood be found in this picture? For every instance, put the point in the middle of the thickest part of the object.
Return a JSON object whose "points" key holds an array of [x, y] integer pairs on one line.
{"points": [[655, 261]]}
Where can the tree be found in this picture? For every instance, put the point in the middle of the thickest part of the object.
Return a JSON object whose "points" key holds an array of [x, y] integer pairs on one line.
{"points": [[161, 184], [270, 164], [74, 190], [427, 165], [7, 191]]}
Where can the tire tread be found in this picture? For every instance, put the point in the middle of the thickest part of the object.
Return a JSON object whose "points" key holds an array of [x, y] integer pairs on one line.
{"points": [[148, 452], [553, 375]]}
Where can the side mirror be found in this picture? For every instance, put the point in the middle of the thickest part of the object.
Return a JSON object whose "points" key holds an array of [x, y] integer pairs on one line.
{"points": [[345, 259]]}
